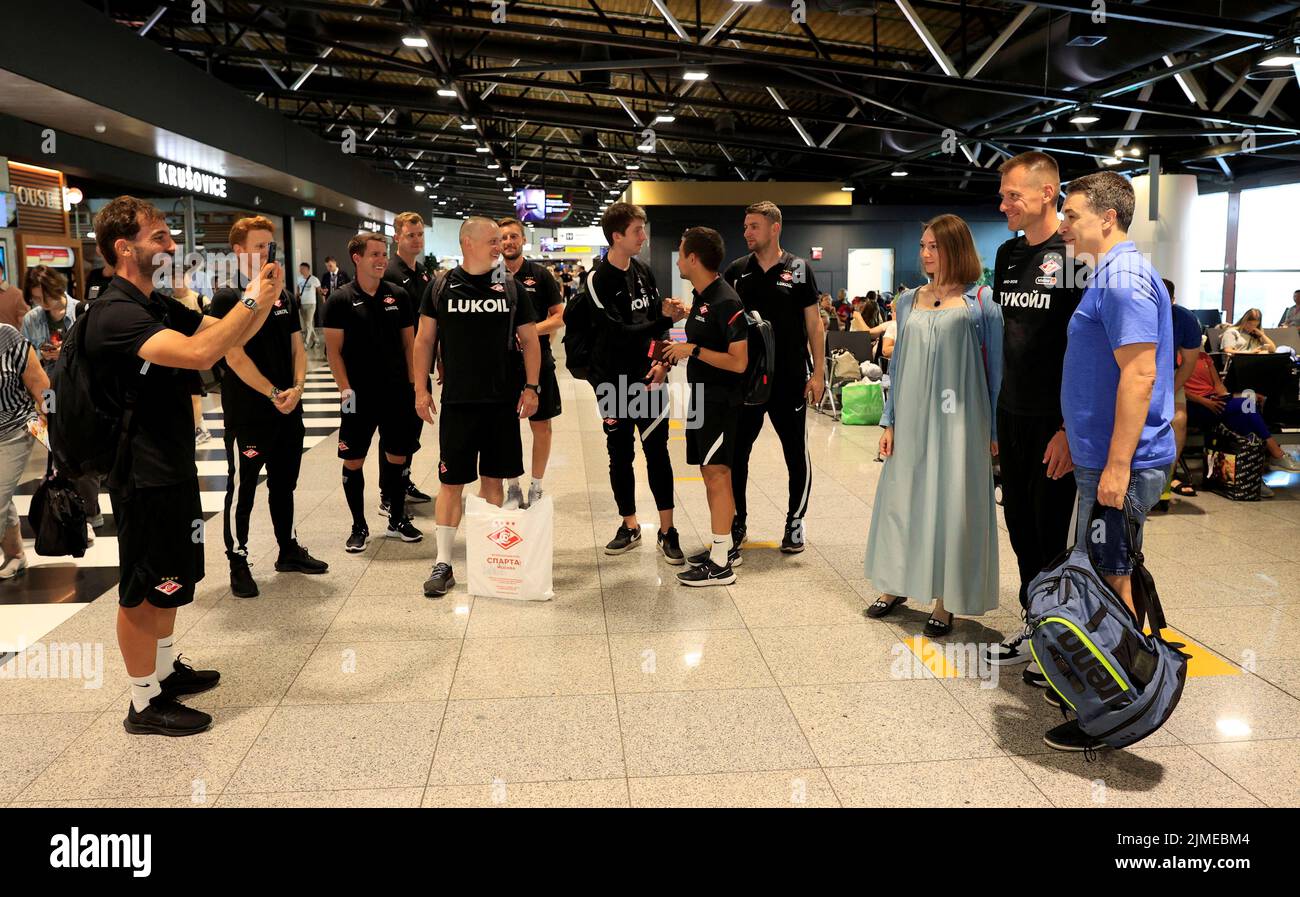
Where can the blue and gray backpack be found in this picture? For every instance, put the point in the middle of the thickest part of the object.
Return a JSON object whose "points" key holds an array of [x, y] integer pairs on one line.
{"points": [[1120, 682]]}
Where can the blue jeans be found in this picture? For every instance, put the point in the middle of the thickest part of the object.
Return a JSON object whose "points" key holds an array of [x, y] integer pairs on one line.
{"points": [[1108, 543]]}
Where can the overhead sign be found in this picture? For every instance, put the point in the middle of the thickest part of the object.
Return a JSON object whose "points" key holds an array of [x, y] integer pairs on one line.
{"points": [[182, 177], [39, 198], [308, 212], [53, 256]]}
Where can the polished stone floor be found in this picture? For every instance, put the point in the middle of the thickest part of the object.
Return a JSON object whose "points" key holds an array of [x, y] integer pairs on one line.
{"points": [[353, 689]]}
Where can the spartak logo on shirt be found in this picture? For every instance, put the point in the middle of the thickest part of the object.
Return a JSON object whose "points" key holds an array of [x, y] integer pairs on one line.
{"points": [[787, 276], [504, 538], [529, 282], [704, 309], [499, 287], [389, 300], [1051, 263]]}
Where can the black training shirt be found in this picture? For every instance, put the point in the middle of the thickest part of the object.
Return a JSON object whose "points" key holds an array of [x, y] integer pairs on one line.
{"points": [[717, 320], [271, 352], [780, 294], [162, 428], [634, 314], [372, 326], [413, 280], [479, 359], [1034, 285], [540, 290]]}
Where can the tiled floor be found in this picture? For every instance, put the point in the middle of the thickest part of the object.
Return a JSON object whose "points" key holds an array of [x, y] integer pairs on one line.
{"points": [[353, 689]]}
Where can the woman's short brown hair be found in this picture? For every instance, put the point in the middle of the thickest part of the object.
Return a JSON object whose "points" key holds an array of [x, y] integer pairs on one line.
{"points": [[51, 283], [959, 262]]}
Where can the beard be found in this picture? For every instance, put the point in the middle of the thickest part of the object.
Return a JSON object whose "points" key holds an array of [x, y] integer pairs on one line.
{"points": [[511, 256]]}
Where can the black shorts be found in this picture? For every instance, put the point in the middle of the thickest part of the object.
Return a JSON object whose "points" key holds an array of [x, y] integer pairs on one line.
{"points": [[479, 439], [159, 544], [548, 400], [711, 430], [391, 411]]}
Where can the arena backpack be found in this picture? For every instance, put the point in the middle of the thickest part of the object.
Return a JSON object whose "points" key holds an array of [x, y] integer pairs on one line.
{"points": [[582, 332]]}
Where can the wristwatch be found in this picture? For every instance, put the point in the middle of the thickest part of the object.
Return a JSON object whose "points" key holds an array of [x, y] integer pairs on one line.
{"points": [[250, 303], [695, 353], [535, 388]]}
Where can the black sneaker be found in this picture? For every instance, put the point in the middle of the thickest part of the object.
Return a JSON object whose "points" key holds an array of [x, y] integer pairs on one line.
{"points": [[671, 547], [792, 541], [734, 558], [1010, 652], [738, 531], [403, 529], [359, 539], [415, 496], [439, 581], [241, 580], [1033, 675], [707, 574], [383, 507], [624, 540], [1051, 697], [295, 559], [1069, 737], [185, 680], [166, 716]]}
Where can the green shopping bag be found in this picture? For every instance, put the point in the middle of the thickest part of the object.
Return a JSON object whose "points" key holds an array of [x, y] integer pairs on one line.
{"points": [[861, 404]]}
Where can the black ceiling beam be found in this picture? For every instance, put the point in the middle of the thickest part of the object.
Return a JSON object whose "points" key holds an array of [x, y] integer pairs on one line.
{"points": [[1154, 15]]}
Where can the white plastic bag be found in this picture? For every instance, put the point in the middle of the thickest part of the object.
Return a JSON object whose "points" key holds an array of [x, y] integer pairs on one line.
{"points": [[510, 553]]}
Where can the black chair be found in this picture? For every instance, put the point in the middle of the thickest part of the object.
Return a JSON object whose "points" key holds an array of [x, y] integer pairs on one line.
{"points": [[1209, 317], [1272, 376]]}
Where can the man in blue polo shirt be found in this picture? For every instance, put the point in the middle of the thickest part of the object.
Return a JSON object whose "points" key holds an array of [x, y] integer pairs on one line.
{"points": [[1117, 392]]}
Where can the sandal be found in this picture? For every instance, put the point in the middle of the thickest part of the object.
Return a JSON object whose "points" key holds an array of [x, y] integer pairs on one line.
{"points": [[1184, 489], [880, 608], [935, 629]]}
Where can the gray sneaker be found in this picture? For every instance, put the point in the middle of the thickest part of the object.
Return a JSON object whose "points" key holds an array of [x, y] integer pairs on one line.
{"points": [[534, 496], [514, 498], [439, 581]]}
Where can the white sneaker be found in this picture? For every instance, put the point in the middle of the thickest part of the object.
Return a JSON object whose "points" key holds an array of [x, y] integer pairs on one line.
{"points": [[201, 435], [534, 496], [90, 534], [13, 567], [1012, 651]]}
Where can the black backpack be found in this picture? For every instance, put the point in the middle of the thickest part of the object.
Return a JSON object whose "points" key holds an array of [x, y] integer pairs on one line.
{"points": [[58, 517], [582, 333], [89, 430], [762, 359]]}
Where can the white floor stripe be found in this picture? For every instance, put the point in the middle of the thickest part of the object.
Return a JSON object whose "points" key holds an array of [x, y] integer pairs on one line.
{"points": [[26, 624]]}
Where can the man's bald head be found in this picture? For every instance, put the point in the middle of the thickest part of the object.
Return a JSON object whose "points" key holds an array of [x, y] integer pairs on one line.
{"points": [[480, 243]]}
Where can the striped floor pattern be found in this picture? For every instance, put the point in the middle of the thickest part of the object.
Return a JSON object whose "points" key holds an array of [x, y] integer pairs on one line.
{"points": [[55, 588]]}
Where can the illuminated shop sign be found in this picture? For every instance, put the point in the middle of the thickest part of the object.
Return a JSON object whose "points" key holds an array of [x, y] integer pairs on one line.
{"points": [[182, 177]]}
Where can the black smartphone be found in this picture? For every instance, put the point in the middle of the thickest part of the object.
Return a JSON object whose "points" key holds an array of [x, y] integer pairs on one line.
{"points": [[270, 253]]}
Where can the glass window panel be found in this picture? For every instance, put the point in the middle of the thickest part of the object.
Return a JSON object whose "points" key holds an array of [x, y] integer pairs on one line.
{"points": [[1210, 294], [1270, 292], [1210, 235], [1266, 238]]}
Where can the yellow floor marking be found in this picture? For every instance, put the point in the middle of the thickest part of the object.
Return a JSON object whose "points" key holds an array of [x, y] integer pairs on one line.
{"points": [[689, 479], [760, 545], [1204, 662], [676, 424], [675, 438], [931, 656]]}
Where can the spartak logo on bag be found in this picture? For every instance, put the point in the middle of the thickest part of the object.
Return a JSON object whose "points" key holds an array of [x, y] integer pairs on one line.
{"points": [[504, 538]]}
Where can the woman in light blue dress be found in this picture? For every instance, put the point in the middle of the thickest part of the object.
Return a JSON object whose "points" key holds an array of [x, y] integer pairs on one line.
{"points": [[933, 524]]}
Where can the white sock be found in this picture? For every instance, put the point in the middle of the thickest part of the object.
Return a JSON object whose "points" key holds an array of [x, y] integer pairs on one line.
{"points": [[535, 486], [165, 657], [718, 552], [512, 483], [144, 689], [446, 535]]}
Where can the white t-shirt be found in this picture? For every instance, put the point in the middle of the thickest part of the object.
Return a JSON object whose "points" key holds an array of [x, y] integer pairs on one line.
{"points": [[307, 290]]}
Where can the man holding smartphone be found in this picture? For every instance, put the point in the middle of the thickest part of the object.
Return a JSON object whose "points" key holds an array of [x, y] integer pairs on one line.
{"points": [[261, 398]]}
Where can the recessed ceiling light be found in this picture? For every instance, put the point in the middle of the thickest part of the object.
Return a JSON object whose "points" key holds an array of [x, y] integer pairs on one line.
{"points": [[446, 92], [1112, 160], [665, 118], [442, 202], [414, 40], [501, 177], [482, 149], [419, 188], [493, 166], [695, 75], [505, 189], [468, 126], [100, 127], [632, 166], [897, 173]]}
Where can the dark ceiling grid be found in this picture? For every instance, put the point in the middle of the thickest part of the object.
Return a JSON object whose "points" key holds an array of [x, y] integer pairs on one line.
{"points": [[868, 92]]}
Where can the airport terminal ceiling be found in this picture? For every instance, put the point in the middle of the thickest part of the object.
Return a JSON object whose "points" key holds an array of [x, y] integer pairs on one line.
{"points": [[905, 101]]}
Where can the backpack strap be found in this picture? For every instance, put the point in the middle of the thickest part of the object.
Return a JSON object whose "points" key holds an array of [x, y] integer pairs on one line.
{"points": [[979, 329]]}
